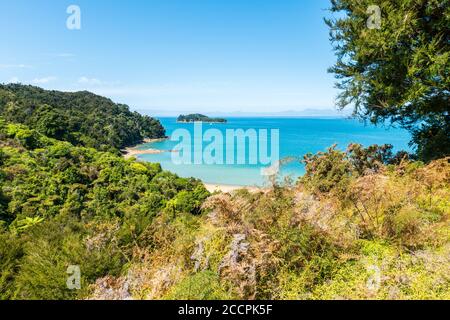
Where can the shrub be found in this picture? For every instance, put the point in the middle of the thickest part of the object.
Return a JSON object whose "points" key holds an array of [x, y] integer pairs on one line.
{"points": [[370, 159], [327, 171], [204, 285]]}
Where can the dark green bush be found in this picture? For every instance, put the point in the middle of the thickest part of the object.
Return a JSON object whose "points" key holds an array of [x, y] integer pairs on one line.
{"points": [[327, 171]]}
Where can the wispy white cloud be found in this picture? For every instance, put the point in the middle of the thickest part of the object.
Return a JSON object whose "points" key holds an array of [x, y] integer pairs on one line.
{"points": [[13, 80], [203, 96], [44, 80], [65, 55], [94, 82], [158, 90], [89, 81], [14, 66]]}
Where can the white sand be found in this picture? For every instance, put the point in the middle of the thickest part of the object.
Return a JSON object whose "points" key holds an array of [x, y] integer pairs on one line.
{"points": [[133, 151], [229, 188]]}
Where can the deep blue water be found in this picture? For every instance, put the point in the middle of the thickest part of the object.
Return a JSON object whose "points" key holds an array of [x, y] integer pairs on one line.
{"points": [[298, 136]]}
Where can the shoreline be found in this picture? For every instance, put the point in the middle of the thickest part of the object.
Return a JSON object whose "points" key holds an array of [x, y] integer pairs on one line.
{"points": [[225, 188], [211, 122], [132, 151]]}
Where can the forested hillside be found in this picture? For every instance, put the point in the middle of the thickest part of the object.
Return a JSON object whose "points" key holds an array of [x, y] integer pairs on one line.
{"points": [[62, 205], [81, 118]]}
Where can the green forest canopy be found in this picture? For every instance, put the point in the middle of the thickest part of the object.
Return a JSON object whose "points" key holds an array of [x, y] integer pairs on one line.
{"points": [[82, 118]]}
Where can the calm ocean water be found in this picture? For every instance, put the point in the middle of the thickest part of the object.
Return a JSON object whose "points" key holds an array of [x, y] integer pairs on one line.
{"points": [[298, 136]]}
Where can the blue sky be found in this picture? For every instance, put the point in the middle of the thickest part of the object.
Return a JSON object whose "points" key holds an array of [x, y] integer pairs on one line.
{"points": [[178, 55]]}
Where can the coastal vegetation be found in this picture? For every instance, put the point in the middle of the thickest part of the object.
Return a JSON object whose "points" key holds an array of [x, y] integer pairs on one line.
{"points": [[199, 118], [356, 226]]}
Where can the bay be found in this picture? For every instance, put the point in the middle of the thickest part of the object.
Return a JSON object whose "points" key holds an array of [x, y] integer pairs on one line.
{"points": [[297, 137]]}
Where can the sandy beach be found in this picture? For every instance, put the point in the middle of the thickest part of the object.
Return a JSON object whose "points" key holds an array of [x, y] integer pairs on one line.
{"points": [[134, 151], [229, 188], [131, 152]]}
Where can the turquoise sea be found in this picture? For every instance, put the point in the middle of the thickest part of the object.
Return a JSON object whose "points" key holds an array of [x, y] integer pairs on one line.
{"points": [[298, 136]]}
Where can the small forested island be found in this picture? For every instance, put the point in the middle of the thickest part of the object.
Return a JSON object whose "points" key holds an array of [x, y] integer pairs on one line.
{"points": [[196, 117]]}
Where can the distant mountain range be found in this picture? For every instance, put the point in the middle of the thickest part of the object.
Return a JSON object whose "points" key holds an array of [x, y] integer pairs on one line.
{"points": [[310, 112]]}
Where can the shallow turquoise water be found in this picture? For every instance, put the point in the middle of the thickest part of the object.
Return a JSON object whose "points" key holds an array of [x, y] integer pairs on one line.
{"points": [[298, 136]]}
